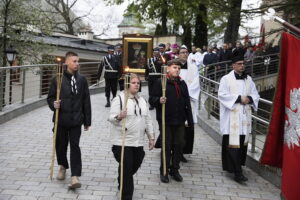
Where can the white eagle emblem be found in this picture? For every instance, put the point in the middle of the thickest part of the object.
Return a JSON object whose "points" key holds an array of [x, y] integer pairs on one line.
{"points": [[292, 125]]}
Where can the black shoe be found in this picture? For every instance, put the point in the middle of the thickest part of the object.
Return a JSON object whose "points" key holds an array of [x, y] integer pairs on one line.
{"points": [[177, 177], [107, 104], [240, 178], [164, 179], [183, 159], [244, 178]]}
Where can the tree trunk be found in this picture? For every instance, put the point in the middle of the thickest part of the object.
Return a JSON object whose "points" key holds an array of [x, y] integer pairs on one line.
{"points": [[187, 35], [201, 30], [234, 21], [164, 19], [70, 27], [158, 30]]}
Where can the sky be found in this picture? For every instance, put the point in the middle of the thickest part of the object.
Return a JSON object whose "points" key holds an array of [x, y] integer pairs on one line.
{"points": [[102, 16], [108, 17]]}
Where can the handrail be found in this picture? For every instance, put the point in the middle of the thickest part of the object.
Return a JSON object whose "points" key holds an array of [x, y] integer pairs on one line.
{"points": [[24, 82], [42, 65]]}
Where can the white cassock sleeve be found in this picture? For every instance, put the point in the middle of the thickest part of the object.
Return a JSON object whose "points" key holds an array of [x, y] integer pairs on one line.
{"points": [[254, 94], [225, 97]]}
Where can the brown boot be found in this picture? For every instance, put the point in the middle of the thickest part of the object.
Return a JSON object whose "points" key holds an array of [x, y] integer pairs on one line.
{"points": [[61, 173], [75, 183]]}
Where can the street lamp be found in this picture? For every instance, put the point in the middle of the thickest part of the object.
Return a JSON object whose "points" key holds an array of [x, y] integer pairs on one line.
{"points": [[10, 54]]}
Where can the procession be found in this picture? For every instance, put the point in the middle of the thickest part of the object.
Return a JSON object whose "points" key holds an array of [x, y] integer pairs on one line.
{"points": [[176, 111]]}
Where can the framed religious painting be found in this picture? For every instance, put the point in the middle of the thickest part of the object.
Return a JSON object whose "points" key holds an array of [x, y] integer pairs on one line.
{"points": [[137, 49]]}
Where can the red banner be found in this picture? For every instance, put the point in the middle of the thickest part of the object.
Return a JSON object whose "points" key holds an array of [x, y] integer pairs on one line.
{"points": [[282, 147]]}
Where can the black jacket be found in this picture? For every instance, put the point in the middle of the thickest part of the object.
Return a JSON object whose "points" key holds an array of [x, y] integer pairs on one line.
{"points": [[150, 68], [114, 62], [178, 109], [240, 52], [75, 109], [210, 58], [225, 56]]}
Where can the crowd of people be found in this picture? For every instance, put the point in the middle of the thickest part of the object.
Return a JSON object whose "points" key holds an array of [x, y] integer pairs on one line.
{"points": [[130, 117], [212, 54]]}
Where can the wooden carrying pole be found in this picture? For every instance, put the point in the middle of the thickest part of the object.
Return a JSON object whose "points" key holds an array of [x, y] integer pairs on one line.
{"points": [[59, 76], [163, 117], [126, 94]]}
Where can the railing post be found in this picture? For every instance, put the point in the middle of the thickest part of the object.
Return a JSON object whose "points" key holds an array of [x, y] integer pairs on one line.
{"points": [[208, 102], [252, 67], [199, 101], [23, 85], [10, 85], [1, 89], [215, 75], [41, 83], [253, 142], [226, 68]]}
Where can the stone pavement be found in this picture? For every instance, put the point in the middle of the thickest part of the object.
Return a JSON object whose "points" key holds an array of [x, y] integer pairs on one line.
{"points": [[25, 155]]}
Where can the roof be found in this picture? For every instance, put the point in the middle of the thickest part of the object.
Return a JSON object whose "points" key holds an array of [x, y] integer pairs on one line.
{"points": [[73, 42]]}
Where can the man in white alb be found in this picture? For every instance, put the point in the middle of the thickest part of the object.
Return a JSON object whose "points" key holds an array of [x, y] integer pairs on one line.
{"points": [[237, 94]]}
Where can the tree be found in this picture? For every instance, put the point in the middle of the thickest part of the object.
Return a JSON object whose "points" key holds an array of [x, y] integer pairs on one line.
{"points": [[20, 23], [201, 31], [234, 21], [154, 10], [65, 20]]}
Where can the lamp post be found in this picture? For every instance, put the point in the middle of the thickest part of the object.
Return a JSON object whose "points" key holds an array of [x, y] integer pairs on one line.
{"points": [[10, 54]]}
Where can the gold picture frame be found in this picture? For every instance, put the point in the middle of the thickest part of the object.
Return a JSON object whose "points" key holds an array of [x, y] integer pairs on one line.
{"points": [[137, 49]]}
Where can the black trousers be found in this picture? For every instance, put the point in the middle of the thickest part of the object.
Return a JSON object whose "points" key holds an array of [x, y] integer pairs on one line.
{"points": [[133, 158], [151, 81], [111, 84], [174, 145], [64, 135], [189, 140], [233, 158]]}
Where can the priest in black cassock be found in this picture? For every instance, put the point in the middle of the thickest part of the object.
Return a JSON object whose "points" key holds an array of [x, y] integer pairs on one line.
{"points": [[238, 96]]}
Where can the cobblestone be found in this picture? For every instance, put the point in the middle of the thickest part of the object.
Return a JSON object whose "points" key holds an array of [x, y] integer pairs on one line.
{"points": [[25, 156]]}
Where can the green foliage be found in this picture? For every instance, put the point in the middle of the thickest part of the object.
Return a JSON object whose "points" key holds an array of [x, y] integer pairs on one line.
{"points": [[21, 22]]}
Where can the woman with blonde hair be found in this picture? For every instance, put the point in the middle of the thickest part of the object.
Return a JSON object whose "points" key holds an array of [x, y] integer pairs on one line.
{"points": [[138, 123]]}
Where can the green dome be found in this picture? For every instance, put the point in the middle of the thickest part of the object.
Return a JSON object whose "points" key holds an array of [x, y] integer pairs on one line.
{"points": [[130, 20]]}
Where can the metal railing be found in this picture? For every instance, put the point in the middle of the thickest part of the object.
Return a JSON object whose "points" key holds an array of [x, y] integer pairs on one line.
{"points": [[259, 68], [19, 84]]}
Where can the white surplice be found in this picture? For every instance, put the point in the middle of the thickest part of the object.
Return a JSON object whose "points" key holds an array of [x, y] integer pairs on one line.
{"points": [[191, 78], [196, 58], [229, 90]]}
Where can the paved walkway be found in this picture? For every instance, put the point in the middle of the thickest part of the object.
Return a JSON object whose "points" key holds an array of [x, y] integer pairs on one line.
{"points": [[25, 154]]}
